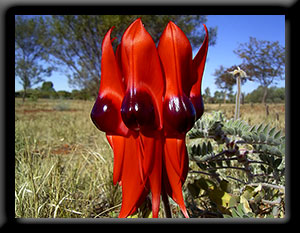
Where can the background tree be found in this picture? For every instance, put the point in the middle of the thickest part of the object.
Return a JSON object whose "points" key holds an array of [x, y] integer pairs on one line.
{"points": [[224, 80], [278, 94], [206, 95], [231, 96], [264, 61], [76, 40], [30, 52], [218, 96], [47, 90], [63, 94], [275, 95], [47, 86]]}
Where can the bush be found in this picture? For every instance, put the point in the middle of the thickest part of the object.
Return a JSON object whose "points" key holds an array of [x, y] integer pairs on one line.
{"points": [[62, 106]]}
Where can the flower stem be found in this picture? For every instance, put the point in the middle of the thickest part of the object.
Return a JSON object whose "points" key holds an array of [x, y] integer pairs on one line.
{"points": [[238, 97]]}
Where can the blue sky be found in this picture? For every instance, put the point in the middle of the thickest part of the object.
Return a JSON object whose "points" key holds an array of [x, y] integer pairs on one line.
{"points": [[236, 29], [232, 30]]}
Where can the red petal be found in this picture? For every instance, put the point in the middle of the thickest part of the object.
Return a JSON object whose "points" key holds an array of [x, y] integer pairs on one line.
{"points": [[106, 111], [176, 167], [199, 64], [119, 61], [153, 147], [117, 143], [134, 190], [176, 155], [143, 79], [175, 53]]}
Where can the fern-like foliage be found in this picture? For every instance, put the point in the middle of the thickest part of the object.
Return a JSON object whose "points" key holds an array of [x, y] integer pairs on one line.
{"points": [[233, 150]]}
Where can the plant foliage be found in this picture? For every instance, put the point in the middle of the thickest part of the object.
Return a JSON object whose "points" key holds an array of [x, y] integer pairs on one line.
{"points": [[236, 170]]}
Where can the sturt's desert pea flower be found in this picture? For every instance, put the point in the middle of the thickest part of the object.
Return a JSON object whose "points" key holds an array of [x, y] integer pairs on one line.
{"points": [[149, 98]]}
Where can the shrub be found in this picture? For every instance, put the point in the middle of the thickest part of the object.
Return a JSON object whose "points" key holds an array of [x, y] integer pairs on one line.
{"points": [[62, 106]]}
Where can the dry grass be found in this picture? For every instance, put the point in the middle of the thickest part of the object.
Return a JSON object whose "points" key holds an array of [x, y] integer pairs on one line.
{"points": [[64, 165], [254, 113]]}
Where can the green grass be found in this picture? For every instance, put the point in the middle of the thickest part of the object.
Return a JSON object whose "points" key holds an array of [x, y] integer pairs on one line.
{"points": [[64, 165]]}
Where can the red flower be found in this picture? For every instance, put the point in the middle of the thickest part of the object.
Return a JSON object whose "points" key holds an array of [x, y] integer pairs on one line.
{"points": [[149, 98]]}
